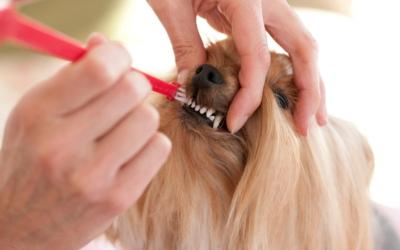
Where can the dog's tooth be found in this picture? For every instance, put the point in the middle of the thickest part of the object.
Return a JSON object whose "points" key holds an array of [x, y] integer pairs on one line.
{"points": [[211, 118], [217, 121], [190, 101], [197, 107], [203, 110], [193, 104], [210, 112]]}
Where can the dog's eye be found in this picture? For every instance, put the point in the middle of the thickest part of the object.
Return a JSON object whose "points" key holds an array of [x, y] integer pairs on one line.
{"points": [[282, 101]]}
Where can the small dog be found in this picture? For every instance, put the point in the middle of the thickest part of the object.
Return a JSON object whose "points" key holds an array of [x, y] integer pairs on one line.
{"points": [[265, 187]]}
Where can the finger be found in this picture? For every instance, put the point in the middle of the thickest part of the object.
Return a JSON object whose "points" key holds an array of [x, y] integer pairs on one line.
{"points": [[287, 29], [251, 42], [322, 115], [79, 83], [96, 39], [103, 113], [217, 20], [125, 141], [179, 20], [135, 176]]}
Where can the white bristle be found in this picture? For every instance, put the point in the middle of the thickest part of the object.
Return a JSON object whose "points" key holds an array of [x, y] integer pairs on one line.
{"points": [[180, 99], [182, 90], [181, 94]]}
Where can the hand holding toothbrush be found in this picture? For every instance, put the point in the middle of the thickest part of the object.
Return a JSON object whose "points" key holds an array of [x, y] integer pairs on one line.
{"points": [[78, 150]]}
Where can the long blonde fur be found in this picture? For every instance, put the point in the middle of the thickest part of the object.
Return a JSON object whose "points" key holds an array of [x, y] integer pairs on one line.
{"points": [[266, 187]]}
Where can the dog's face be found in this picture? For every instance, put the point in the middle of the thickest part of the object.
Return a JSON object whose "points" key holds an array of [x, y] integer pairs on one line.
{"points": [[211, 87], [265, 187]]}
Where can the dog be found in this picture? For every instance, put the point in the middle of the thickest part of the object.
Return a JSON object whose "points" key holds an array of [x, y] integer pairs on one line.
{"points": [[264, 187]]}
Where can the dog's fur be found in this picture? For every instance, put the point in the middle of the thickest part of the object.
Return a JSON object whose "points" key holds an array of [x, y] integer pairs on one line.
{"points": [[265, 187]]}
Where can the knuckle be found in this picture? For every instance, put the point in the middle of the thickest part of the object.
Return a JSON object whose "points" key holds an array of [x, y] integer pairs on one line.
{"points": [[51, 159], [118, 203], [312, 42], [163, 145], [150, 116], [105, 65], [87, 188], [263, 54], [98, 71], [315, 96], [134, 89], [229, 8], [185, 51]]}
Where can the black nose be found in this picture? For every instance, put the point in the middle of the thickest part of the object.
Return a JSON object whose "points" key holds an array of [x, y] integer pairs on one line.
{"points": [[207, 76]]}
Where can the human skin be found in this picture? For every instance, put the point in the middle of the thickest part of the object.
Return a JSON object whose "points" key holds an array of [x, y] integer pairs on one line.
{"points": [[78, 150], [247, 21]]}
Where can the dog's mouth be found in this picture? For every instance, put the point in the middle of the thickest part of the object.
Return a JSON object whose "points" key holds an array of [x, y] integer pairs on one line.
{"points": [[206, 115]]}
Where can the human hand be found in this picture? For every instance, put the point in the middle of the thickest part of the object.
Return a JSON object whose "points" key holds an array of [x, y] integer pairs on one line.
{"points": [[78, 149], [247, 21]]}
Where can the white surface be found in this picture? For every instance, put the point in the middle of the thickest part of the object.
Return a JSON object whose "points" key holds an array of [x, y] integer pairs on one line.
{"points": [[4, 4]]}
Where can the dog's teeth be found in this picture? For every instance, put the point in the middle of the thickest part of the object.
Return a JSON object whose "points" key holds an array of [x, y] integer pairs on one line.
{"points": [[197, 108], [190, 101], [203, 110], [217, 121], [211, 118], [210, 112], [193, 104]]}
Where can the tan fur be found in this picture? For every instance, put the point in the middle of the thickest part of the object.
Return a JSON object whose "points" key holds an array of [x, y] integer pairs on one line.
{"points": [[266, 187]]}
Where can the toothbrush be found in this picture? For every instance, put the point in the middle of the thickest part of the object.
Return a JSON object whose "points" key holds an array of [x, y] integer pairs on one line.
{"points": [[27, 32]]}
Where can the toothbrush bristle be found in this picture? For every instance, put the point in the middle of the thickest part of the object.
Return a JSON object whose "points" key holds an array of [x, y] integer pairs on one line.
{"points": [[181, 99], [181, 96]]}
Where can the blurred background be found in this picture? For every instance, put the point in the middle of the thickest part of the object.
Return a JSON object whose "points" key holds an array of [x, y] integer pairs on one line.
{"points": [[359, 51]]}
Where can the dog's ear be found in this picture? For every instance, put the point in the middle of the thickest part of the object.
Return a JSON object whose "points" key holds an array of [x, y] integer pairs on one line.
{"points": [[269, 179]]}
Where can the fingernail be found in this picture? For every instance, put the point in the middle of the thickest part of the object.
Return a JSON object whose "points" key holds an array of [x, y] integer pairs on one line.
{"points": [[240, 124], [310, 125], [182, 76]]}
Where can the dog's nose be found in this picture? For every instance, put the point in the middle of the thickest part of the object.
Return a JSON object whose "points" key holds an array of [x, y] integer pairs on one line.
{"points": [[207, 76]]}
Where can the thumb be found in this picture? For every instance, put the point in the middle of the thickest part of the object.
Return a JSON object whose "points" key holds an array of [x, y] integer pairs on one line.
{"points": [[179, 20]]}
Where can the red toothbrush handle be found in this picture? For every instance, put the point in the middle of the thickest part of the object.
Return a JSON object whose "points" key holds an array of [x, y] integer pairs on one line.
{"points": [[45, 40]]}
